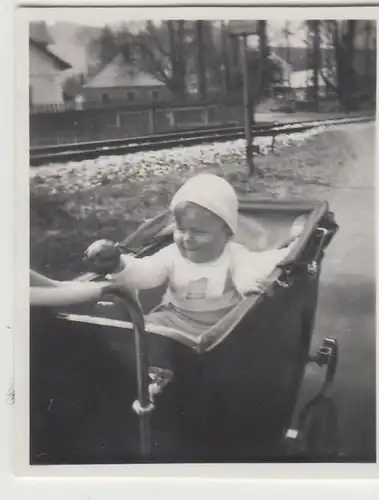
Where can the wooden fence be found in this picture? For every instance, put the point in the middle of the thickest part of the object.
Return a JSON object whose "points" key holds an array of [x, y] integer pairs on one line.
{"points": [[70, 125]]}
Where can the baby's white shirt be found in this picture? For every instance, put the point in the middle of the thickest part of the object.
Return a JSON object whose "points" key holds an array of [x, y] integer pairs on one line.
{"points": [[246, 268], [213, 274]]}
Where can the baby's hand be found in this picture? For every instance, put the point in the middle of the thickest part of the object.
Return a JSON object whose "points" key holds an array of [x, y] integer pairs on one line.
{"points": [[103, 257], [262, 286]]}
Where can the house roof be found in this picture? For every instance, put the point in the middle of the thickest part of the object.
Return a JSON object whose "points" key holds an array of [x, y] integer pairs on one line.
{"points": [[120, 73], [73, 55], [40, 37], [39, 33], [58, 61]]}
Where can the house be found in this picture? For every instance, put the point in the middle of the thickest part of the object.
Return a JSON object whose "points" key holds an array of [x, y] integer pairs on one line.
{"points": [[281, 70], [301, 83], [122, 80], [45, 67]]}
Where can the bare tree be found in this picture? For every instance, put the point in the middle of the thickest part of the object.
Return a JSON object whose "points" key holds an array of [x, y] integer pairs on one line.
{"points": [[174, 49], [262, 64], [287, 34], [177, 81], [368, 32], [341, 35], [201, 59], [235, 61], [162, 52], [349, 53], [315, 59], [225, 58], [105, 47]]}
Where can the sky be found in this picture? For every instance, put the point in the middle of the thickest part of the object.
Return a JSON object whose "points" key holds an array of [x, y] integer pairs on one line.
{"points": [[275, 29], [78, 58]]}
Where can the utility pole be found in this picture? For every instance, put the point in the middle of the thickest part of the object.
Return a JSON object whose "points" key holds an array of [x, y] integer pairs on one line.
{"points": [[242, 30], [248, 107], [264, 52]]}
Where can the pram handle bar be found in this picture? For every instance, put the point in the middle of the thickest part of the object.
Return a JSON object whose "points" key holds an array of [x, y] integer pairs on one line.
{"points": [[143, 406]]}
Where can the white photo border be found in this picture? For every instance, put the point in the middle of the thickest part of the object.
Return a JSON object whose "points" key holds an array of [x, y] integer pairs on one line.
{"points": [[139, 479]]}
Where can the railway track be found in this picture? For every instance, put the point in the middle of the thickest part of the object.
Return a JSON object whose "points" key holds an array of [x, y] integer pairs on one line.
{"points": [[90, 150]]}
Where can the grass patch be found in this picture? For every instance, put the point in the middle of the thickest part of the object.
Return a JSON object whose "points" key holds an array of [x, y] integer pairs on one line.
{"points": [[64, 221]]}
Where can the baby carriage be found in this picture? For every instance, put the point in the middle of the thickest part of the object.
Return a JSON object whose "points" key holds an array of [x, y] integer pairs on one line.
{"points": [[104, 390]]}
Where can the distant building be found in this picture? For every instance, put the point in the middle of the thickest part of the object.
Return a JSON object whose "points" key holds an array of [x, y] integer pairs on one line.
{"points": [[192, 83], [121, 80], [302, 83], [45, 67], [281, 71]]}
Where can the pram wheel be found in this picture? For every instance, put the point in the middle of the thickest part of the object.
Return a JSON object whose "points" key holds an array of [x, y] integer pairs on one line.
{"points": [[318, 430], [317, 437]]}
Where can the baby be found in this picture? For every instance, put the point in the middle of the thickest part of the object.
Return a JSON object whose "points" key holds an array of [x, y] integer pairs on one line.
{"points": [[206, 272]]}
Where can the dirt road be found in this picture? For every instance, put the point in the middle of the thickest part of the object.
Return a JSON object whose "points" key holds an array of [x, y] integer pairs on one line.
{"points": [[347, 301]]}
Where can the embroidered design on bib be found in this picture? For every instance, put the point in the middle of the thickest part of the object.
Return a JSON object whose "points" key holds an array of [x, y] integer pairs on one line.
{"points": [[196, 289]]}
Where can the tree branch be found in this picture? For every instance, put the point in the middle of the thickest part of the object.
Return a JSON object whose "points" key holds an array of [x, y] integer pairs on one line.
{"points": [[159, 71], [150, 29], [329, 83]]}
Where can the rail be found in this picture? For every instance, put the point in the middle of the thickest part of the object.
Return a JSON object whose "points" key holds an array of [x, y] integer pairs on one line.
{"points": [[95, 149]]}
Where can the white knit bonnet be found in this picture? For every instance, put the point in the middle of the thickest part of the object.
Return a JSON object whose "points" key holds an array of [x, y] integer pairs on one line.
{"points": [[213, 193]]}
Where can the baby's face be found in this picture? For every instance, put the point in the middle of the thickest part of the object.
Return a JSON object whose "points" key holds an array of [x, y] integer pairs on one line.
{"points": [[200, 235]]}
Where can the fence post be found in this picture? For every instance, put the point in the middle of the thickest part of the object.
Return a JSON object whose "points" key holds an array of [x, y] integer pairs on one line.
{"points": [[220, 113], [171, 119], [224, 115], [206, 116], [150, 117]]}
